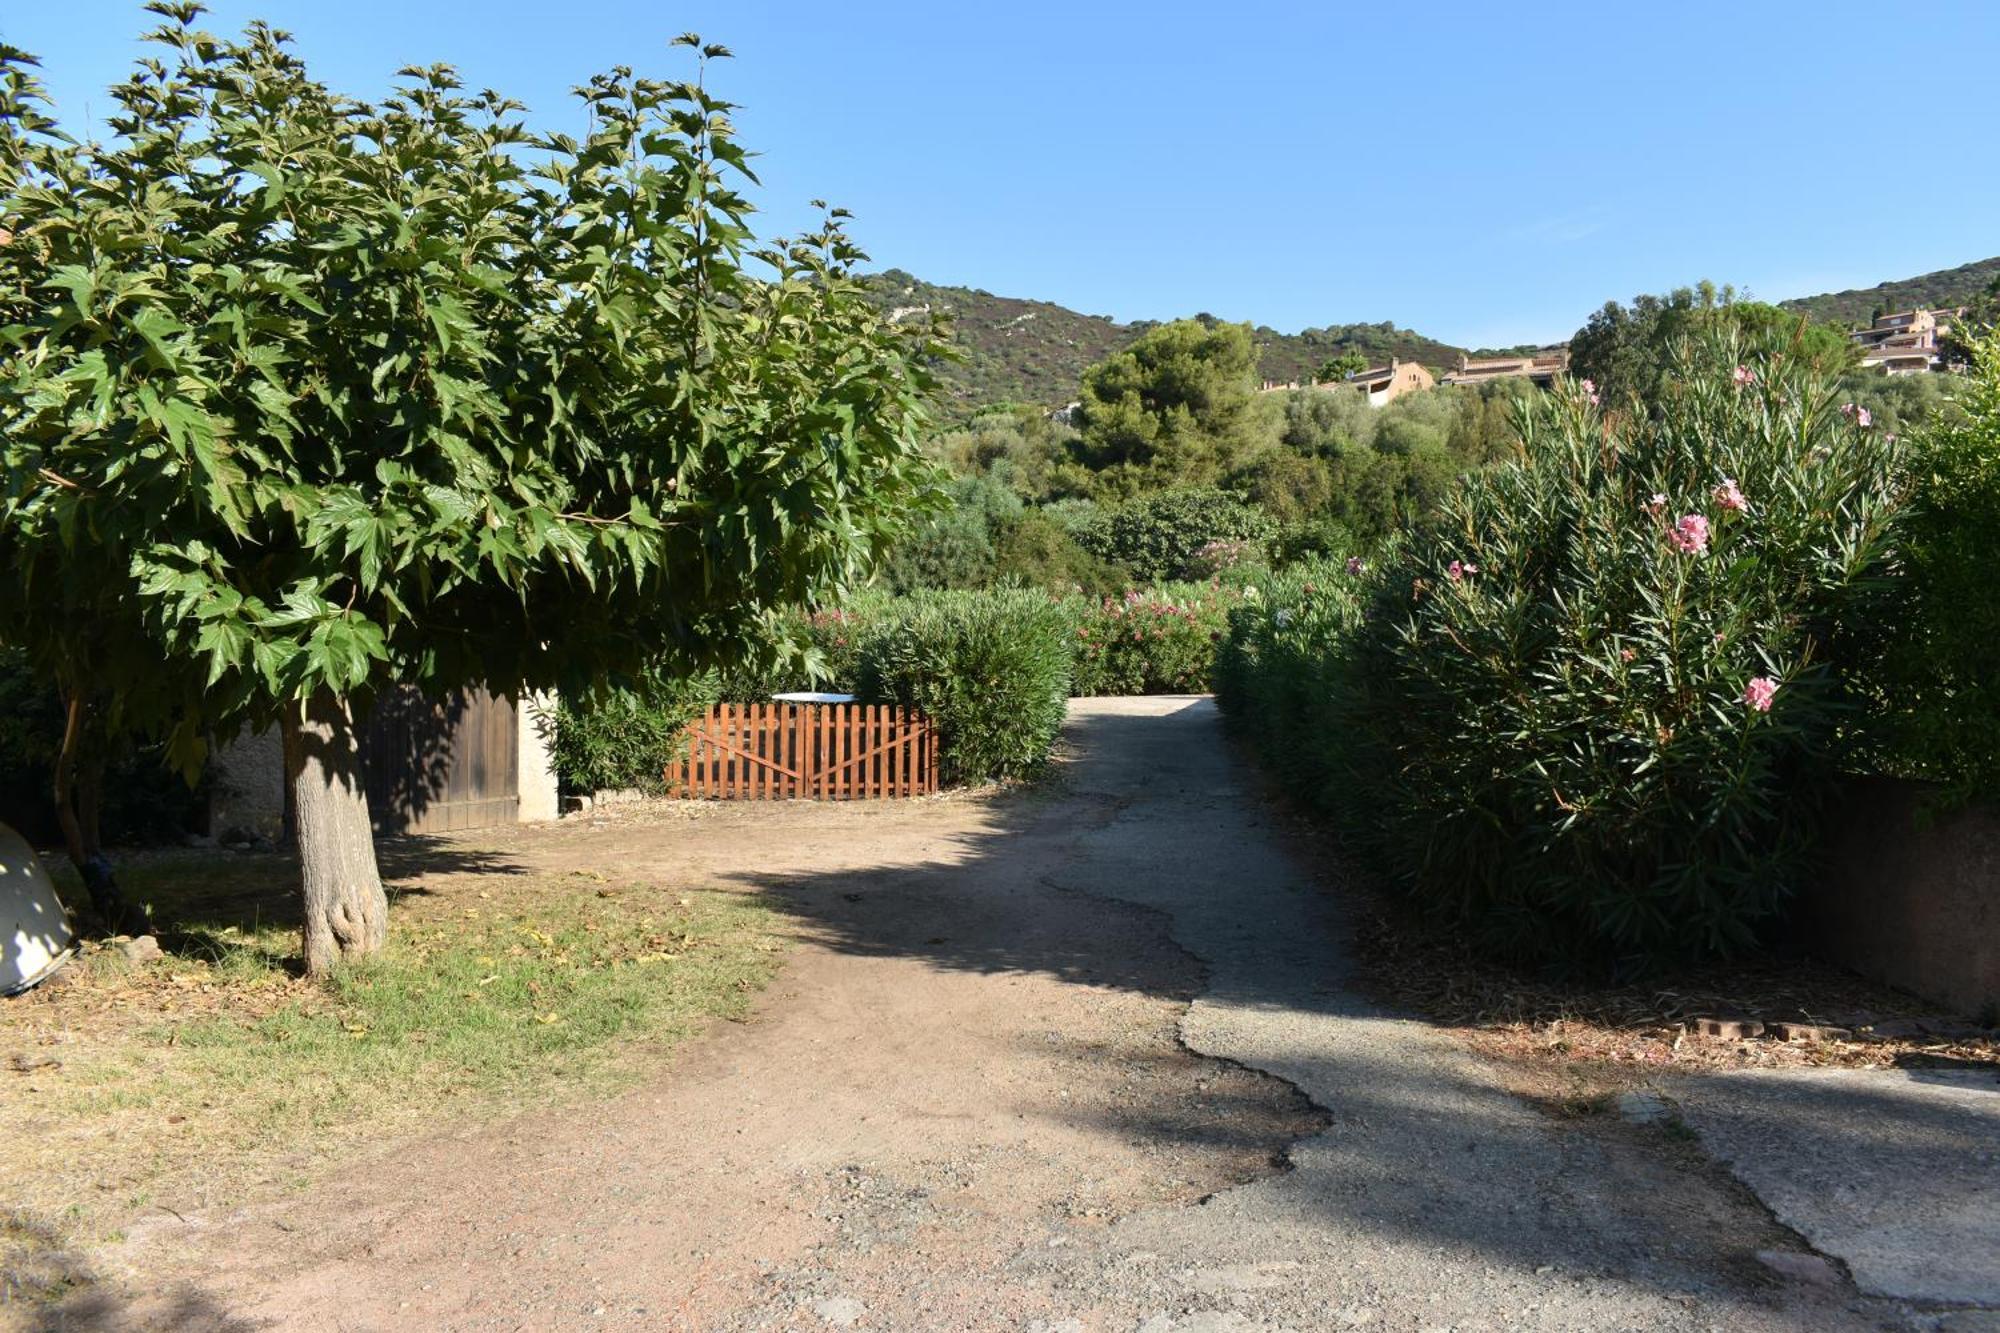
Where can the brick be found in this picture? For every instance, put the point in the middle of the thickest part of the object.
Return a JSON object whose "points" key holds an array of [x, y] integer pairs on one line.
{"points": [[1729, 1029]]}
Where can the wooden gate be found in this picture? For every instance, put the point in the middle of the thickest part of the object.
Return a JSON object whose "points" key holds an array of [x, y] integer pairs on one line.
{"points": [[433, 767], [830, 752]]}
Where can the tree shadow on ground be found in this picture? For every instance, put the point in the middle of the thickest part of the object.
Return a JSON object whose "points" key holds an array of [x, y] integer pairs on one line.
{"points": [[204, 901]]}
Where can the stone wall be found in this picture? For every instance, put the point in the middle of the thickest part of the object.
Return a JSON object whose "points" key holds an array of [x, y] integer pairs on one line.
{"points": [[1911, 901]]}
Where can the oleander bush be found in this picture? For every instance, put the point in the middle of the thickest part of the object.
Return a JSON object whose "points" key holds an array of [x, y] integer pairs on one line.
{"points": [[990, 669], [1284, 676], [1588, 712], [623, 738], [1149, 641]]}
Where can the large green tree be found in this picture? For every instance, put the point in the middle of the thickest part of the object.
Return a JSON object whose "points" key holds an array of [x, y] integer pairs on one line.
{"points": [[1176, 408], [304, 397]]}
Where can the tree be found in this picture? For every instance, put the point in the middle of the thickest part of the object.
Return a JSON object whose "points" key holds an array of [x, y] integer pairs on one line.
{"points": [[1176, 408], [305, 397], [1626, 351], [1340, 367]]}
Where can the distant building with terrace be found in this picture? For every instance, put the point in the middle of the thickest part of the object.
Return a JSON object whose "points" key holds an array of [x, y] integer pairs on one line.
{"points": [[1905, 343], [1381, 385], [1542, 366]]}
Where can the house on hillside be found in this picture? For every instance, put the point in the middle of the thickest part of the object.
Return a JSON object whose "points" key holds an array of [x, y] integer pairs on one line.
{"points": [[1541, 366], [1904, 343], [1385, 384], [1381, 385]]}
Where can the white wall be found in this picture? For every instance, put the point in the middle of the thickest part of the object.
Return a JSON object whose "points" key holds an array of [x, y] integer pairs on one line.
{"points": [[536, 762]]}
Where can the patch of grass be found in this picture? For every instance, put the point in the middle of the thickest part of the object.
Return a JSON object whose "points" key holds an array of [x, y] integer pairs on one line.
{"points": [[216, 1070]]}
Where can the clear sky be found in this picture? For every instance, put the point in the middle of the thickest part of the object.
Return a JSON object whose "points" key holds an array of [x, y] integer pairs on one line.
{"points": [[1486, 174]]}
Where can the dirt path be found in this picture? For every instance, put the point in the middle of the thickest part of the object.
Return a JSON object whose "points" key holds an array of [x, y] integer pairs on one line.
{"points": [[1075, 1060]]}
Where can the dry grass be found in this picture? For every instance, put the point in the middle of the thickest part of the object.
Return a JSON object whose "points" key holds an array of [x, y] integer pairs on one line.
{"points": [[216, 1073]]}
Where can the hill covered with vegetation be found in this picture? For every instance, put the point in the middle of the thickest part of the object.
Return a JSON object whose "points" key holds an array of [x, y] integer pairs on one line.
{"points": [[1946, 287], [1036, 351]]}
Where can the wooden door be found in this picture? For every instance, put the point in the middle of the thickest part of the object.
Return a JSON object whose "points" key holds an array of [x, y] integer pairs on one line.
{"points": [[436, 767]]}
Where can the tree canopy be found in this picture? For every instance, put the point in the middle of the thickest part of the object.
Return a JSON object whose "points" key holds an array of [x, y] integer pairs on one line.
{"points": [[1626, 350], [1174, 408], [304, 396]]}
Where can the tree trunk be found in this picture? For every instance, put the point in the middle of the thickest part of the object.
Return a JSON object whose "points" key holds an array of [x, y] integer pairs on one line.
{"points": [[346, 912], [80, 828]]}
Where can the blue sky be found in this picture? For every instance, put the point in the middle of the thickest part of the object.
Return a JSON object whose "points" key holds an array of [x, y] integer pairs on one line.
{"points": [[1486, 174]]}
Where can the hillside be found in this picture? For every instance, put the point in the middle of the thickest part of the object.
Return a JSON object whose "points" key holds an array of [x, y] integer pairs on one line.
{"points": [[1037, 351], [1947, 287]]}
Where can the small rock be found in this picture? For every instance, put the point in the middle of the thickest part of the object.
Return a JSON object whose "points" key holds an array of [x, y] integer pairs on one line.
{"points": [[1729, 1029], [1642, 1108], [840, 1311], [197, 840], [141, 950], [1800, 1267]]}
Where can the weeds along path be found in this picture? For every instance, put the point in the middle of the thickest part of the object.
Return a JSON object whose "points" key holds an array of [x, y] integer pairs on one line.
{"points": [[1077, 1058]]}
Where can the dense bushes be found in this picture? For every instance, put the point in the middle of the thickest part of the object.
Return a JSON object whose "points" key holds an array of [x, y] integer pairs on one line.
{"points": [[1162, 536], [1942, 684], [622, 739], [1587, 713], [991, 670], [1159, 641]]}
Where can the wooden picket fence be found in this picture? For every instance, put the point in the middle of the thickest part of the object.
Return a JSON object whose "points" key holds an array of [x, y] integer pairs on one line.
{"points": [[827, 752]]}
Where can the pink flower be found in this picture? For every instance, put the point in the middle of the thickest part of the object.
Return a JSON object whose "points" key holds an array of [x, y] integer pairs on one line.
{"points": [[1626, 654], [1656, 504], [1457, 570], [1590, 391], [1730, 497], [1689, 534], [1355, 565], [1758, 693], [1744, 376], [1857, 414]]}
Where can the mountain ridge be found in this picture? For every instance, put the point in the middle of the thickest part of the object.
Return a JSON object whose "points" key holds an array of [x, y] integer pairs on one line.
{"points": [[1016, 349]]}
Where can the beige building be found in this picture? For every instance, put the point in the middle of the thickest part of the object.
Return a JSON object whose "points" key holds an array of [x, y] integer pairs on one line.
{"points": [[1381, 385], [1542, 367], [1905, 343]]}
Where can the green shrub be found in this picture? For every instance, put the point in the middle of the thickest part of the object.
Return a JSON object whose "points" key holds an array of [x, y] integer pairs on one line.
{"points": [[1589, 712], [624, 738], [1158, 641], [1159, 536], [990, 669], [1941, 684], [1038, 550], [1284, 677]]}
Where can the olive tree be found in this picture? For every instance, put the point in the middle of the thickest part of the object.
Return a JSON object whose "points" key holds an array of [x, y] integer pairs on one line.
{"points": [[305, 397]]}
